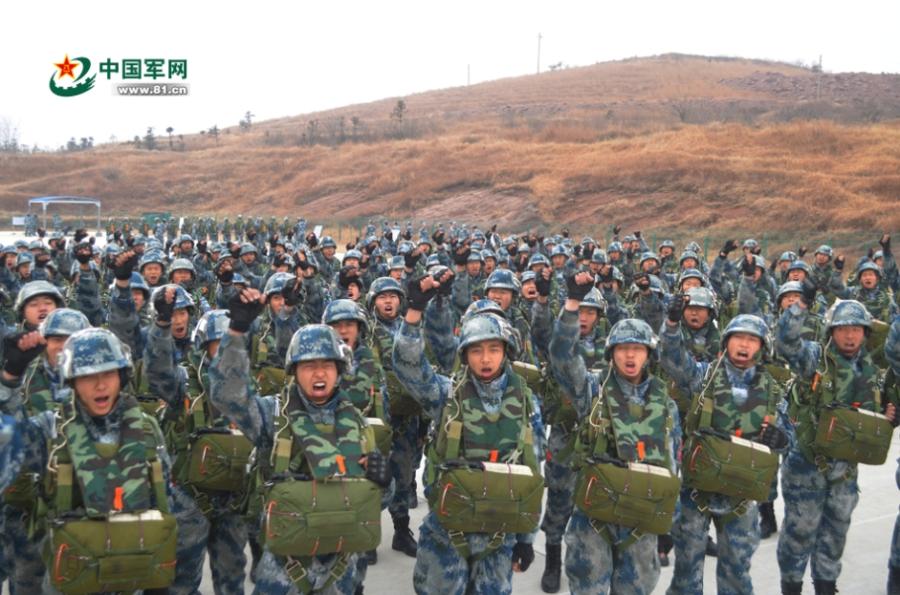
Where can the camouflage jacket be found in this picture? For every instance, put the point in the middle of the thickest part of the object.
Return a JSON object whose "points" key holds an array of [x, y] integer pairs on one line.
{"points": [[129, 325]]}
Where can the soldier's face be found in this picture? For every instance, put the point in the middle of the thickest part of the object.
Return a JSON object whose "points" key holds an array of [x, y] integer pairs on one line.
{"points": [[152, 272], [180, 276], [186, 247], [54, 347], [690, 283], [784, 264], [689, 263], [276, 302], [98, 393], [696, 316], [742, 349], [502, 297], [396, 274], [665, 251], [248, 258], [10, 261], [348, 331], [848, 339], [317, 379], [180, 323], [25, 270], [485, 359], [587, 318], [797, 275], [489, 265], [529, 290], [328, 252], [629, 360], [351, 262], [37, 308], [789, 299], [387, 305], [558, 261], [822, 259], [353, 292], [473, 268], [868, 279], [650, 265], [614, 255]]}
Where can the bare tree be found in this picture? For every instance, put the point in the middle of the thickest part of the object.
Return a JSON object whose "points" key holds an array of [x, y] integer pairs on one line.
{"points": [[169, 131]]}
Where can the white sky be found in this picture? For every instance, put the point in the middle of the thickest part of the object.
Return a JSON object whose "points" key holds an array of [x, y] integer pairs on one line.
{"points": [[287, 58]]}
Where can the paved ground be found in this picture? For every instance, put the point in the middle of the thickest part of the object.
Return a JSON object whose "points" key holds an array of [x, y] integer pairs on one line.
{"points": [[865, 559]]}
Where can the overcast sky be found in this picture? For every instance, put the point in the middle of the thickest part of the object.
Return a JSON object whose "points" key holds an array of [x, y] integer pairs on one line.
{"points": [[287, 58]]}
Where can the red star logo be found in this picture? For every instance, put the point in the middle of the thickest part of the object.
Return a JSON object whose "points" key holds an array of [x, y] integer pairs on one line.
{"points": [[67, 68]]}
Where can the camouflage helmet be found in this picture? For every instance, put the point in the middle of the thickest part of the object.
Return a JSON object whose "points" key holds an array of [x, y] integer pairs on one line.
{"points": [[559, 250], [112, 250], [152, 257], [24, 258], [397, 263], [786, 288], [488, 253], [799, 265], [826, 250], [702, 297], [847, 313], [405, 247], [327, 242], [183, 299], [868, 266], [688, 254], [787, 256], [63, 322], [475, 256], [183, 264], [536, 259], [594, 299], [488, 327], [278, 282], [482, 306], [749, 324], [879, 254], [614, 247], [36, 245], [693, 247], [503, 279], [20, 243], [352, 253], [92, 351], [618, 276], [137, 282], [248, 248], [212, 326], [344, 309], [630, 330], [185, 237], [316, 342], [528, 276], [649, 256], [239, 279], [599, 257], [750, 244], [692, 274], [666, 244], [383, 285], [34, 289], [432, 261]]}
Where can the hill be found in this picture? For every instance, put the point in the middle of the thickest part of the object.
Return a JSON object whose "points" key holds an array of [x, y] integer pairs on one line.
{"points": [[668, 143]]}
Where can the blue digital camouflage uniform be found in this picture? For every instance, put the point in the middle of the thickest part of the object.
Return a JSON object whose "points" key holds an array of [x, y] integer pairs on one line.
{"points": [[439, 567], [892, 354], [231, 391], [593, 564], [737, 536], [818, 504], [87, 293]]}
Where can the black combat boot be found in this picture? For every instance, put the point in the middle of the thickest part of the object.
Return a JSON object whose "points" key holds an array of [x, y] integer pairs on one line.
{"points": [[552, 569], [371, 557], [767, 523], [893, 586], [791, 588], [403, 537], [825, 587]]}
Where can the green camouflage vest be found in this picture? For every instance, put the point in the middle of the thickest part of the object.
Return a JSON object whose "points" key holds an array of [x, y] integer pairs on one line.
{"points": [[593, 358], [837, 384], [625, 431], [364, 387], [728, 417], [36, 388]]}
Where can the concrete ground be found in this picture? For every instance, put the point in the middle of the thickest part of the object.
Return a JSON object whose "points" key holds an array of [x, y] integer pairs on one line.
{"points": [[865, 558]]}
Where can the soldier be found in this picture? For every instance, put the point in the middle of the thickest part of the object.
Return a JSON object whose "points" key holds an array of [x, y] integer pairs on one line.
{"points": [[486, 415], [385, 300], [630, 420], [100, 421], [272, 336], [892, 387], [736, 418], [871, 291], [308, 434], [152, 267], [819, 483]]}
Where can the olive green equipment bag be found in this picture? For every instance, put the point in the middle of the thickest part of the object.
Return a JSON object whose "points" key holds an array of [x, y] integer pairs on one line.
{"points": [[270, 379], [484, 497], [557, 408], [720, 463], [218, 459], [853, 435], [22, 494], [309, 516], [118, 552]]}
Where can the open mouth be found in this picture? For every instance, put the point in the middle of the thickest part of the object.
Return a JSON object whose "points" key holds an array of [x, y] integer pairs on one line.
{"points": [[388, 310], [43, 315], [318, 386], [102, 402]]}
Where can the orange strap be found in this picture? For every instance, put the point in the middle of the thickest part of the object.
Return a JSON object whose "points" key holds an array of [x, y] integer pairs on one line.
{"points": [[342, 467], [641, 450], [494, 456], [118, 505]]}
